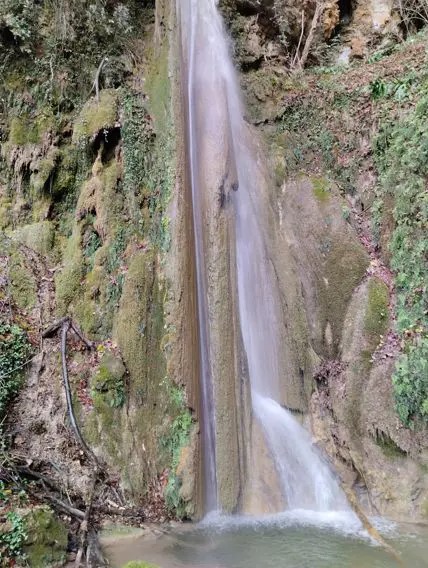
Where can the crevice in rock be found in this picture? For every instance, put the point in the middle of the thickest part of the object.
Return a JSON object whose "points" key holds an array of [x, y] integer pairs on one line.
{"points": [[108, 139], [345, 11]]}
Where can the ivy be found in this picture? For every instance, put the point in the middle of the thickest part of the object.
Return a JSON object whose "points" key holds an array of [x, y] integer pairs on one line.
{"points": [[14, 533], [15, 351]]}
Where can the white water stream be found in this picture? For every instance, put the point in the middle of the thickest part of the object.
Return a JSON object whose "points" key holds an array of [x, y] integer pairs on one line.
{"points": [[306, 480]]}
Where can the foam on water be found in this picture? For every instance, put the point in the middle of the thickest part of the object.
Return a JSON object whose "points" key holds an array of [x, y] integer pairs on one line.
{"points": [[344, 523]]}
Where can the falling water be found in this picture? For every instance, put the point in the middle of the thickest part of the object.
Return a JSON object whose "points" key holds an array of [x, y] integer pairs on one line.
{"points": [[215, 114]]}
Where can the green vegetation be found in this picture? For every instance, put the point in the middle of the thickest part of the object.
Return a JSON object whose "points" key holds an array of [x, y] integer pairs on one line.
{"points": [[26, 130], [398, 89], [14, 532], [23, 287], [376, 317], [148, 170], [68, 281], [108, 385], [96, 116], [37, 236], [389, 447], [12, 540], [15, 350], [46, 538], [321, 189], [401, 152], [173, 443]]}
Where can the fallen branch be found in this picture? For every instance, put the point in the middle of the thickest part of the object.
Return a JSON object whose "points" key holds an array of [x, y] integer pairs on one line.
{"points": [[27, 472], [72, 511], [52, 329]]}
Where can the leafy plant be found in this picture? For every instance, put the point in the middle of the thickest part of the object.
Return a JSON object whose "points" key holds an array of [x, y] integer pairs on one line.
{"points": [[402, 157], [399, 89], [15, 350], [14, 537]]}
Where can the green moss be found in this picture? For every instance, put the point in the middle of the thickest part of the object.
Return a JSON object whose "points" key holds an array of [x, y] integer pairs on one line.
{"points": [[108, 385], [96, 116], [66, 171], [37, 236], [377, 313], [47, 538], [321, 189], [110, 201], [29, 130], [158, 85], [5, 212], [345, 266], [86, 313], [23, 289], [389, 447], [68, 281], [45, 169]]}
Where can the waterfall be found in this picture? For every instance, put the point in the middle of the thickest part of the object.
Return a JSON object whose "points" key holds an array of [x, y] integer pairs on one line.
{"points": [[217, 131]]}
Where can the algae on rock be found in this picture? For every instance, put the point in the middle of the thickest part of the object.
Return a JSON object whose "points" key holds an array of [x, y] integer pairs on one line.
{"points": [[47, 539]]}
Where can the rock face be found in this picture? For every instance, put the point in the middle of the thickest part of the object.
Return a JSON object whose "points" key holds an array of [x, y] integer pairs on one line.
{"points": [[95, 200], [277, 29]]}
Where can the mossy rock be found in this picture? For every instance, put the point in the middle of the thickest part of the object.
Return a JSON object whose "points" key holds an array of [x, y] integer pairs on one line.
{"points": [[37, 236], [44, 170], [46, 543], [5, 212], [68, 281], [345, 267], [23, 289], [103, 425], [65, 174], [28, 130], [377, 312], [96, 115]]}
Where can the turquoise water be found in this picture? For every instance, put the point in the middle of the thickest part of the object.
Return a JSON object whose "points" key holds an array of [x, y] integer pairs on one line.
{"points": [[290, 540]]}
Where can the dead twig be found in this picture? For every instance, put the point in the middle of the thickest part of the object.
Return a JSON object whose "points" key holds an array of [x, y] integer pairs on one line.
{"points": [[72, 511], [319, 9]]}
